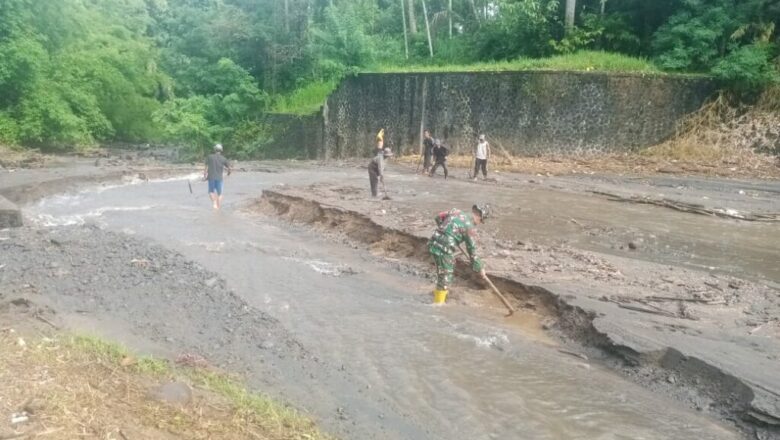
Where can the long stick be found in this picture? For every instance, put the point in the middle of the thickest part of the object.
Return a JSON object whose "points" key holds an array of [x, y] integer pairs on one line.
{"points": [[501, 296], [495, 289]]}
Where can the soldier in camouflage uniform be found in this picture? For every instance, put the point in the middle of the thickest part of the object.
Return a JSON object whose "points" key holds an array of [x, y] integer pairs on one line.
{"points": [[453, 228]]}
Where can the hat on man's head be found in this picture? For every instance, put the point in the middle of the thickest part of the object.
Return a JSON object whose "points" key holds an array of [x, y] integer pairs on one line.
{"points": [[482, 137], [484, 211], [218, 147]]}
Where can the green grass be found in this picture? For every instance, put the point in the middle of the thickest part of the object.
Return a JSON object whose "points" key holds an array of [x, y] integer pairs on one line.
{"points": [[306, 100], [264, 409], [116, 354], [309, 98], [580, 61], [256, 407]]}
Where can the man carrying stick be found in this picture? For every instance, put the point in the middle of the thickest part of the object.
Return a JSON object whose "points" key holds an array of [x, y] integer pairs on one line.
{"points": [[454, 227]]}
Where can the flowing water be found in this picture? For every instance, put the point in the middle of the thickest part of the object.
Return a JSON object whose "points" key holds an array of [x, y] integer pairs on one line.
{"points": [[404, 369]]}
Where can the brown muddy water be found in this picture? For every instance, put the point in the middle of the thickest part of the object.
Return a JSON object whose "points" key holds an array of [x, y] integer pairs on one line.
{"points": [[384, 362]]}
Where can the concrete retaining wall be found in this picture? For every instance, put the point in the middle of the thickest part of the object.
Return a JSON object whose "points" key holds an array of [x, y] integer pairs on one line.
{"points": [[294, 136], [525, 113]]}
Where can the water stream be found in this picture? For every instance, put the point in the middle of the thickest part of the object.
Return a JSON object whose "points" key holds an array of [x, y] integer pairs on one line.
{"points": [[411, 370]]}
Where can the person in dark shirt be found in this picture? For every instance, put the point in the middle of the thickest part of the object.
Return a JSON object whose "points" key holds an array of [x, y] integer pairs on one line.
{"points": [[376, 170], [440, 153], [427, 151], [213, 172]]}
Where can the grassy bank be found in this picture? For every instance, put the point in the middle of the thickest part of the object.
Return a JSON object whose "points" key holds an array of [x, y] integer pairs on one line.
{"points": [[309, 98], [305, 100], [69, 387], [584, 61]]}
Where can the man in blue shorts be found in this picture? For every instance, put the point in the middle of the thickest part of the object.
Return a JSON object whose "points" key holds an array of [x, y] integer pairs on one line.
{"points": [[215, 164]]}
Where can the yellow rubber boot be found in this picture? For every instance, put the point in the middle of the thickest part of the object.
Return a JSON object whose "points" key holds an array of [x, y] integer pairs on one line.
{"points": [[439, 296]]}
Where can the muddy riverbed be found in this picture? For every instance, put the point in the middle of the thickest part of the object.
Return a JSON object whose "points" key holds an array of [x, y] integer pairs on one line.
{"points": [[345, 330]]}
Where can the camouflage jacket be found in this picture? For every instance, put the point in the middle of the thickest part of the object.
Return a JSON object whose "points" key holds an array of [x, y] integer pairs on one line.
{"points": [[453, 228]]}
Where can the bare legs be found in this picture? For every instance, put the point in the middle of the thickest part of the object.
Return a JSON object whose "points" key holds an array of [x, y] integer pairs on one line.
{"points": [[216, 200]]}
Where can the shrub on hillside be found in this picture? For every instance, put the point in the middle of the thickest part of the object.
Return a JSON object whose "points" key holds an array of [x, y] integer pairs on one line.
{"points": [[748, 69]]}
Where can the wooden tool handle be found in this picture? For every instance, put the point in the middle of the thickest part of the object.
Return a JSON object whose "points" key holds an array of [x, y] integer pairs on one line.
{"points": [[500, 295]]}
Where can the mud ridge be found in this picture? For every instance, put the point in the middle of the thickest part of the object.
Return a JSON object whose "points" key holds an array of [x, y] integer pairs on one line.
{"points": [[573, 321], [728, 396], [29, 193]]}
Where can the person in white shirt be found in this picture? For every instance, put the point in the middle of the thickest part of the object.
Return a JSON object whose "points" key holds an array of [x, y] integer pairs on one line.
{"points": [[481, 156]]}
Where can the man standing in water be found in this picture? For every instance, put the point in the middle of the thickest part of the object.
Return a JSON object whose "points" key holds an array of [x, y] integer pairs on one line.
{"points": [[481, 156], [454, 227], [215, 165]]}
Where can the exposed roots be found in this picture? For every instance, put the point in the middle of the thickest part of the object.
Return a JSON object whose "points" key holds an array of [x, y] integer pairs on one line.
{"points": [[724, 134]]}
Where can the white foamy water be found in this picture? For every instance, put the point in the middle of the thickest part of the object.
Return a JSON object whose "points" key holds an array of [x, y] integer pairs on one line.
{"points": [[49, 220], [135, 180], [323, 267], [486, 341]]}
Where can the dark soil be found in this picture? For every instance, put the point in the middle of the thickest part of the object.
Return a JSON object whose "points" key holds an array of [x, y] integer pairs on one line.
{"points": [[67, 276]]}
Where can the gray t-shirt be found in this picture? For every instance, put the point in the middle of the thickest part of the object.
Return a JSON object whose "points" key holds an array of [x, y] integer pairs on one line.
{"points": [[216, 164], [377, 164]]}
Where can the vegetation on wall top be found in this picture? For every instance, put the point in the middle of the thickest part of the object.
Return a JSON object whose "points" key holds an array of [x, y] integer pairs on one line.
{"points": [[194, 72]]}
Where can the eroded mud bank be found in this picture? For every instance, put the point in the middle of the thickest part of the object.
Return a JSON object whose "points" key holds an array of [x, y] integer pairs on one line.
{"points": [[664, 368]]}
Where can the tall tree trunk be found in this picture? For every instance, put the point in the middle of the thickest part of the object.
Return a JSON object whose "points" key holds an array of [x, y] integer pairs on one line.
{"points": [[476, 13], [412, 18], [424, 96], [449, 16], [571, 6], [603, 6], [406, 38], [287, 16], [427, 29]]}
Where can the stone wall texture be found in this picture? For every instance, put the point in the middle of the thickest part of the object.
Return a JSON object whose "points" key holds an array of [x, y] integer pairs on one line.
{"points": [[294, 136], [525, 113]]}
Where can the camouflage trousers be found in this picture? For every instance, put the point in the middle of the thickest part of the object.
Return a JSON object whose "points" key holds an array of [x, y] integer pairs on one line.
{"points": [[445, 266]]}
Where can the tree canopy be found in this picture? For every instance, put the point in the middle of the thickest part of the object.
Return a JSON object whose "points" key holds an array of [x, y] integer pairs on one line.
{"points": [[194, 72]]}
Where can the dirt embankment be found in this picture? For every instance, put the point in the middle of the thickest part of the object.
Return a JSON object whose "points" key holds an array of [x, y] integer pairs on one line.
{"points": [[67, 387], [643, 320], [86, 279]]}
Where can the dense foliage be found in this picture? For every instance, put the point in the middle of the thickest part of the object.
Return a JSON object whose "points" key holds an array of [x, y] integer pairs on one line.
{"points": [[194, 72]]}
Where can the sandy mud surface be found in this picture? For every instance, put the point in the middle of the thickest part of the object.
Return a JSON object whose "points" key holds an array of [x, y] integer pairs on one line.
{"points": [[320, 296], [686, 301]]}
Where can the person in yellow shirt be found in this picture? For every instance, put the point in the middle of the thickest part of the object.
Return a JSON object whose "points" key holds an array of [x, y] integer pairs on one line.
{"points": [[380, 139]]}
